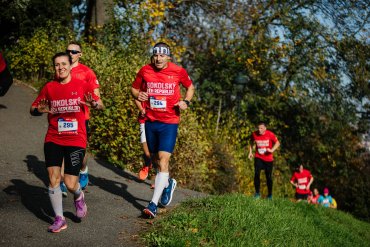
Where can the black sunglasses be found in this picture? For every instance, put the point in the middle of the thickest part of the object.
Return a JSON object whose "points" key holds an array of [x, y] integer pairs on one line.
{"points": [[74, 52]]}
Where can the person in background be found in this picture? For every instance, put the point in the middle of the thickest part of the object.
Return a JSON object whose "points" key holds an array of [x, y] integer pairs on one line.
{"points": [[86, 75], [333, 204], [325, 200], [265, 143], [144, 172], [301, 180], [6, 79], [314, 197]]}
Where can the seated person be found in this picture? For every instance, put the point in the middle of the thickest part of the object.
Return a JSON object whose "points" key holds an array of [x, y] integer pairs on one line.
{"points": [[326, 199]]}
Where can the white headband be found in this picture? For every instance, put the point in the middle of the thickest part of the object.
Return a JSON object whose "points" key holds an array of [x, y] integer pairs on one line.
{"points": [[161, 50]]}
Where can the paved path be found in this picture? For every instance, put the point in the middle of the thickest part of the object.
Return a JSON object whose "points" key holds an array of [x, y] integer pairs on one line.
{"points": [[115, 198]]}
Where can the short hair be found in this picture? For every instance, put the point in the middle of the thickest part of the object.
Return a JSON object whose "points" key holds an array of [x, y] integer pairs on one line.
{"points": [[73, 42], [62, 54], [262, 123]]}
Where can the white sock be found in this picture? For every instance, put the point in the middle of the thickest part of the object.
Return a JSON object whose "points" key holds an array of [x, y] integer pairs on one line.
{"points": [[56, 199], [161, 182], [77, 193], [85, 171]]}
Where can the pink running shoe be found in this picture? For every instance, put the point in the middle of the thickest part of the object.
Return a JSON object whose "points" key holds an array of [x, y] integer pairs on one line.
{"points": [[58, 225], [81, 208]]}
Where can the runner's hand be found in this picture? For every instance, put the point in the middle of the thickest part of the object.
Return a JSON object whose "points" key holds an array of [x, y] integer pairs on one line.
{"points": [[250, 156], [43, 106], [143, 96], [89, 100], [182, 105]]}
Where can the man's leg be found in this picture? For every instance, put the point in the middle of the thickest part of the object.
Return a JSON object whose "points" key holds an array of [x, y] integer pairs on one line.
{"points": [[257, 172], [161, 180], [268, 172], [84, 172], [161, 139]]}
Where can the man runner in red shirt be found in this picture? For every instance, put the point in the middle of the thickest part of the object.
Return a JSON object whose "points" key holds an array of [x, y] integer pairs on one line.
{"points": [[87, 75], [302, 180], [265, 144], [65, 141], [158, 84]]}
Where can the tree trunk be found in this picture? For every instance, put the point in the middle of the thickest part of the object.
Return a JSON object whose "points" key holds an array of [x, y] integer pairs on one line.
{"points": [[98, 14]]}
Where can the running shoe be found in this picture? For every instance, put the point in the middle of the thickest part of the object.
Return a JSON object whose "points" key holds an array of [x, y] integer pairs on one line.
{"points": [[80, 205], [269, 197], [64, 189], [84, 179], [151, 210], [144, 172], [257, 196], [168, 192], [58, 225]]}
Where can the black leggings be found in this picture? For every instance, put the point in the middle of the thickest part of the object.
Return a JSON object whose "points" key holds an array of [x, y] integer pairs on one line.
{"points": [[262, 165]]}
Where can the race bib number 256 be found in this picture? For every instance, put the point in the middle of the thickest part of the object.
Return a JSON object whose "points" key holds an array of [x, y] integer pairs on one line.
{"points": [[158, 103]]}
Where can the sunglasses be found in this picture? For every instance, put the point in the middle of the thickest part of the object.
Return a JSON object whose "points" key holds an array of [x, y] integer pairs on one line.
{"points": [[74, 52]]}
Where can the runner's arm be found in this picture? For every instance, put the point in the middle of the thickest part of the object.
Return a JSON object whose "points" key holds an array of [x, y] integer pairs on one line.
{"points": [[139, 95], [183, 104]]}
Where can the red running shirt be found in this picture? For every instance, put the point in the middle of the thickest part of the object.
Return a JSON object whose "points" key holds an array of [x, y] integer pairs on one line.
{"points": [[87, 75], [2, 63], [267, 140], [67, 125], [303, 178], [163, 88]]}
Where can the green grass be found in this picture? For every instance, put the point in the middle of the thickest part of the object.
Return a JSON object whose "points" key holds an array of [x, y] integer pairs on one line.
{"points": [[238, 220]]}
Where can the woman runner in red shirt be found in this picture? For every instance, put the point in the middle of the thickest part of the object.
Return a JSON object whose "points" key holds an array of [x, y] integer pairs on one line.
{"points": [[63, 100]]}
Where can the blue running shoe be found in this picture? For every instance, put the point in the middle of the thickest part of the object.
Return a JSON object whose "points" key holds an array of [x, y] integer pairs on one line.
{"points": [[84, 179], [257, 196], [151, 210], [64, 189], [168, 192], [269, 197]]}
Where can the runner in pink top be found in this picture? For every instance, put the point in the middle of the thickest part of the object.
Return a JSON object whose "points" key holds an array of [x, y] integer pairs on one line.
{"points": [[265, 143]]}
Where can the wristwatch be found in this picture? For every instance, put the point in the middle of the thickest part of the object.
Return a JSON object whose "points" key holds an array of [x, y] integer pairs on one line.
{"points": [[187, 102]]}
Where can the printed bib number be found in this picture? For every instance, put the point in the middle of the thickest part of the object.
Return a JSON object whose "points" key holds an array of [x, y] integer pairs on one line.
{"points": [[262, 150], [67, 126], [158, 103], [302, 187]]}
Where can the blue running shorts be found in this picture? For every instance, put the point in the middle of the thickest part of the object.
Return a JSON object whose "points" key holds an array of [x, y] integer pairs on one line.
{"points": [[160, 136]]}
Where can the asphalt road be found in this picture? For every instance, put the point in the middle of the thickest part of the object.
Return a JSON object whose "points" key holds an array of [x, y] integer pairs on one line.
{"points": [[115, 198]]}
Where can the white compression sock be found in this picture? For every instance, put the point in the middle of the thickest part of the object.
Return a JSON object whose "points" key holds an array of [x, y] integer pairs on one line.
{"points": [[56, 199], [161, 182], [85, 171], [77, 193]]}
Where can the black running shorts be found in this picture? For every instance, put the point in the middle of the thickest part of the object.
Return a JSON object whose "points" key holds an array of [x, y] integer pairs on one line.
{"points": [[73, 157]]}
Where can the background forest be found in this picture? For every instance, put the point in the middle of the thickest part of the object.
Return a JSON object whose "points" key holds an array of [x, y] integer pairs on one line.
{"points": [[300, 65]]}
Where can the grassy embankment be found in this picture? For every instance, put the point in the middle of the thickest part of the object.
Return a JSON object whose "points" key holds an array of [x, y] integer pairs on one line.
{"points": [[238, 220]]}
